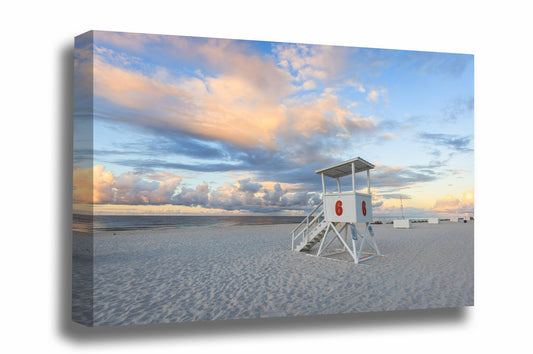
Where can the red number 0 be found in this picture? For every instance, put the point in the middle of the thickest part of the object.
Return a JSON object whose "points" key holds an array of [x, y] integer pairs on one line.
{"points": [[338, 208], [364, 208]]}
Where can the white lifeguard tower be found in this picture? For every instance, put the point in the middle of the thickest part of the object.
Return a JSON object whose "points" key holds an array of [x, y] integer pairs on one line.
{"points": [[338, 212]]}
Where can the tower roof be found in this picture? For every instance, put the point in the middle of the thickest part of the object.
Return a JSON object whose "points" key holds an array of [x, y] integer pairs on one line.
{"points": [[345, 168]]}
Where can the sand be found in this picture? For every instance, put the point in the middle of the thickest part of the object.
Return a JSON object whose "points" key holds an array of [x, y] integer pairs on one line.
{"points": [[176, 275]]}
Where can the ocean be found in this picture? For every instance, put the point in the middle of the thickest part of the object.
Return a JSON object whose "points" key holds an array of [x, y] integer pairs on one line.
{"points": [[82, 223]]}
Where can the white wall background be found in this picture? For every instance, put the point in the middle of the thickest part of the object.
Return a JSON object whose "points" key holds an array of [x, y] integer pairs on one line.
{"points": [[37, 42]]}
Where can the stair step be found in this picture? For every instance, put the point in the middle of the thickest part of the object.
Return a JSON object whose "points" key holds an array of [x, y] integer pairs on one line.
{"points": [[316, 234]]}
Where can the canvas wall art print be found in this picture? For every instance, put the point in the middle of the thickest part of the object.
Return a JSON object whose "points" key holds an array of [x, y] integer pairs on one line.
{"points": [[219, 179]]}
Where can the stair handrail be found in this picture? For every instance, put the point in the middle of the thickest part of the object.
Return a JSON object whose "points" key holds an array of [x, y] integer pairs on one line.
{"points": [[307, 217], [310, 228], [306, 223]]}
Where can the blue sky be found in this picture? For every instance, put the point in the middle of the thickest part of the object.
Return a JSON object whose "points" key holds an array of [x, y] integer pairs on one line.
{"points": [[187, 125]]}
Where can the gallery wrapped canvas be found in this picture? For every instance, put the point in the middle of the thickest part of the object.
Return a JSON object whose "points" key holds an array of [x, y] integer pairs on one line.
{"points": [[219, 179]]}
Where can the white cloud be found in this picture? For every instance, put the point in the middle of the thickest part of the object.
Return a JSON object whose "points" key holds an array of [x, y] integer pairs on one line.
{"points": [[309, 85], [318, 62], [373, 96], [98, 186]]}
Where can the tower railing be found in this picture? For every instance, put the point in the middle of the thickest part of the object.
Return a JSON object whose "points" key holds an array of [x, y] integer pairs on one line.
{"points": [[306, 227]]}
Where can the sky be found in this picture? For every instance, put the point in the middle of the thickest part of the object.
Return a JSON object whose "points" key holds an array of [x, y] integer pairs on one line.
{"points": [[204, 126]]}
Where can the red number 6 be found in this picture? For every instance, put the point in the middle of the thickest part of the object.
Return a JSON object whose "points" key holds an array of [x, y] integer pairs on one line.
{"points": [[338, 208]]}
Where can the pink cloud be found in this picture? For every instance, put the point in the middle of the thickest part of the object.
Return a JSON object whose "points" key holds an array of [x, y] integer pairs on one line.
{"points": [[245, 107], [97, 186], [450, 204]]}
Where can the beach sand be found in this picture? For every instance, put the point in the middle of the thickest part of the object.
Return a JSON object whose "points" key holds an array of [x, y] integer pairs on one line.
{"points": [[211, 273]]}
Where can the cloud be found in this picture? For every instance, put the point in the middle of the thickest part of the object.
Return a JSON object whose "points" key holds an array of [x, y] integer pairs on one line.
{"points": [[433, 63], [136, 42], [458, 108], [309, 85], [319, 62], [241, 105], [433, 164], [454, 142], [176, 151], [247, 186], [223, 122], [377, 95], [453, 205], [128, 188], [161, 188], [390, 205], [388, 136], [274, 196], [325, 116], [247, 111], [198, 196], [395, 196], [83, 65], [259, 197], [82, 185], [393, 177], [457, 171], [372, 96], [207, 105], [377, 204]]}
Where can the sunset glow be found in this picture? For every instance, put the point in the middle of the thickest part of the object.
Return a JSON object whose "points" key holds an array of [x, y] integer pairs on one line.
{"points": [[184, 125]]}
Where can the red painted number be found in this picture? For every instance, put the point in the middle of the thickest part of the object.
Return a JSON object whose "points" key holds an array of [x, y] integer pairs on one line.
{"points": [[363, 206], [338, 208]]}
